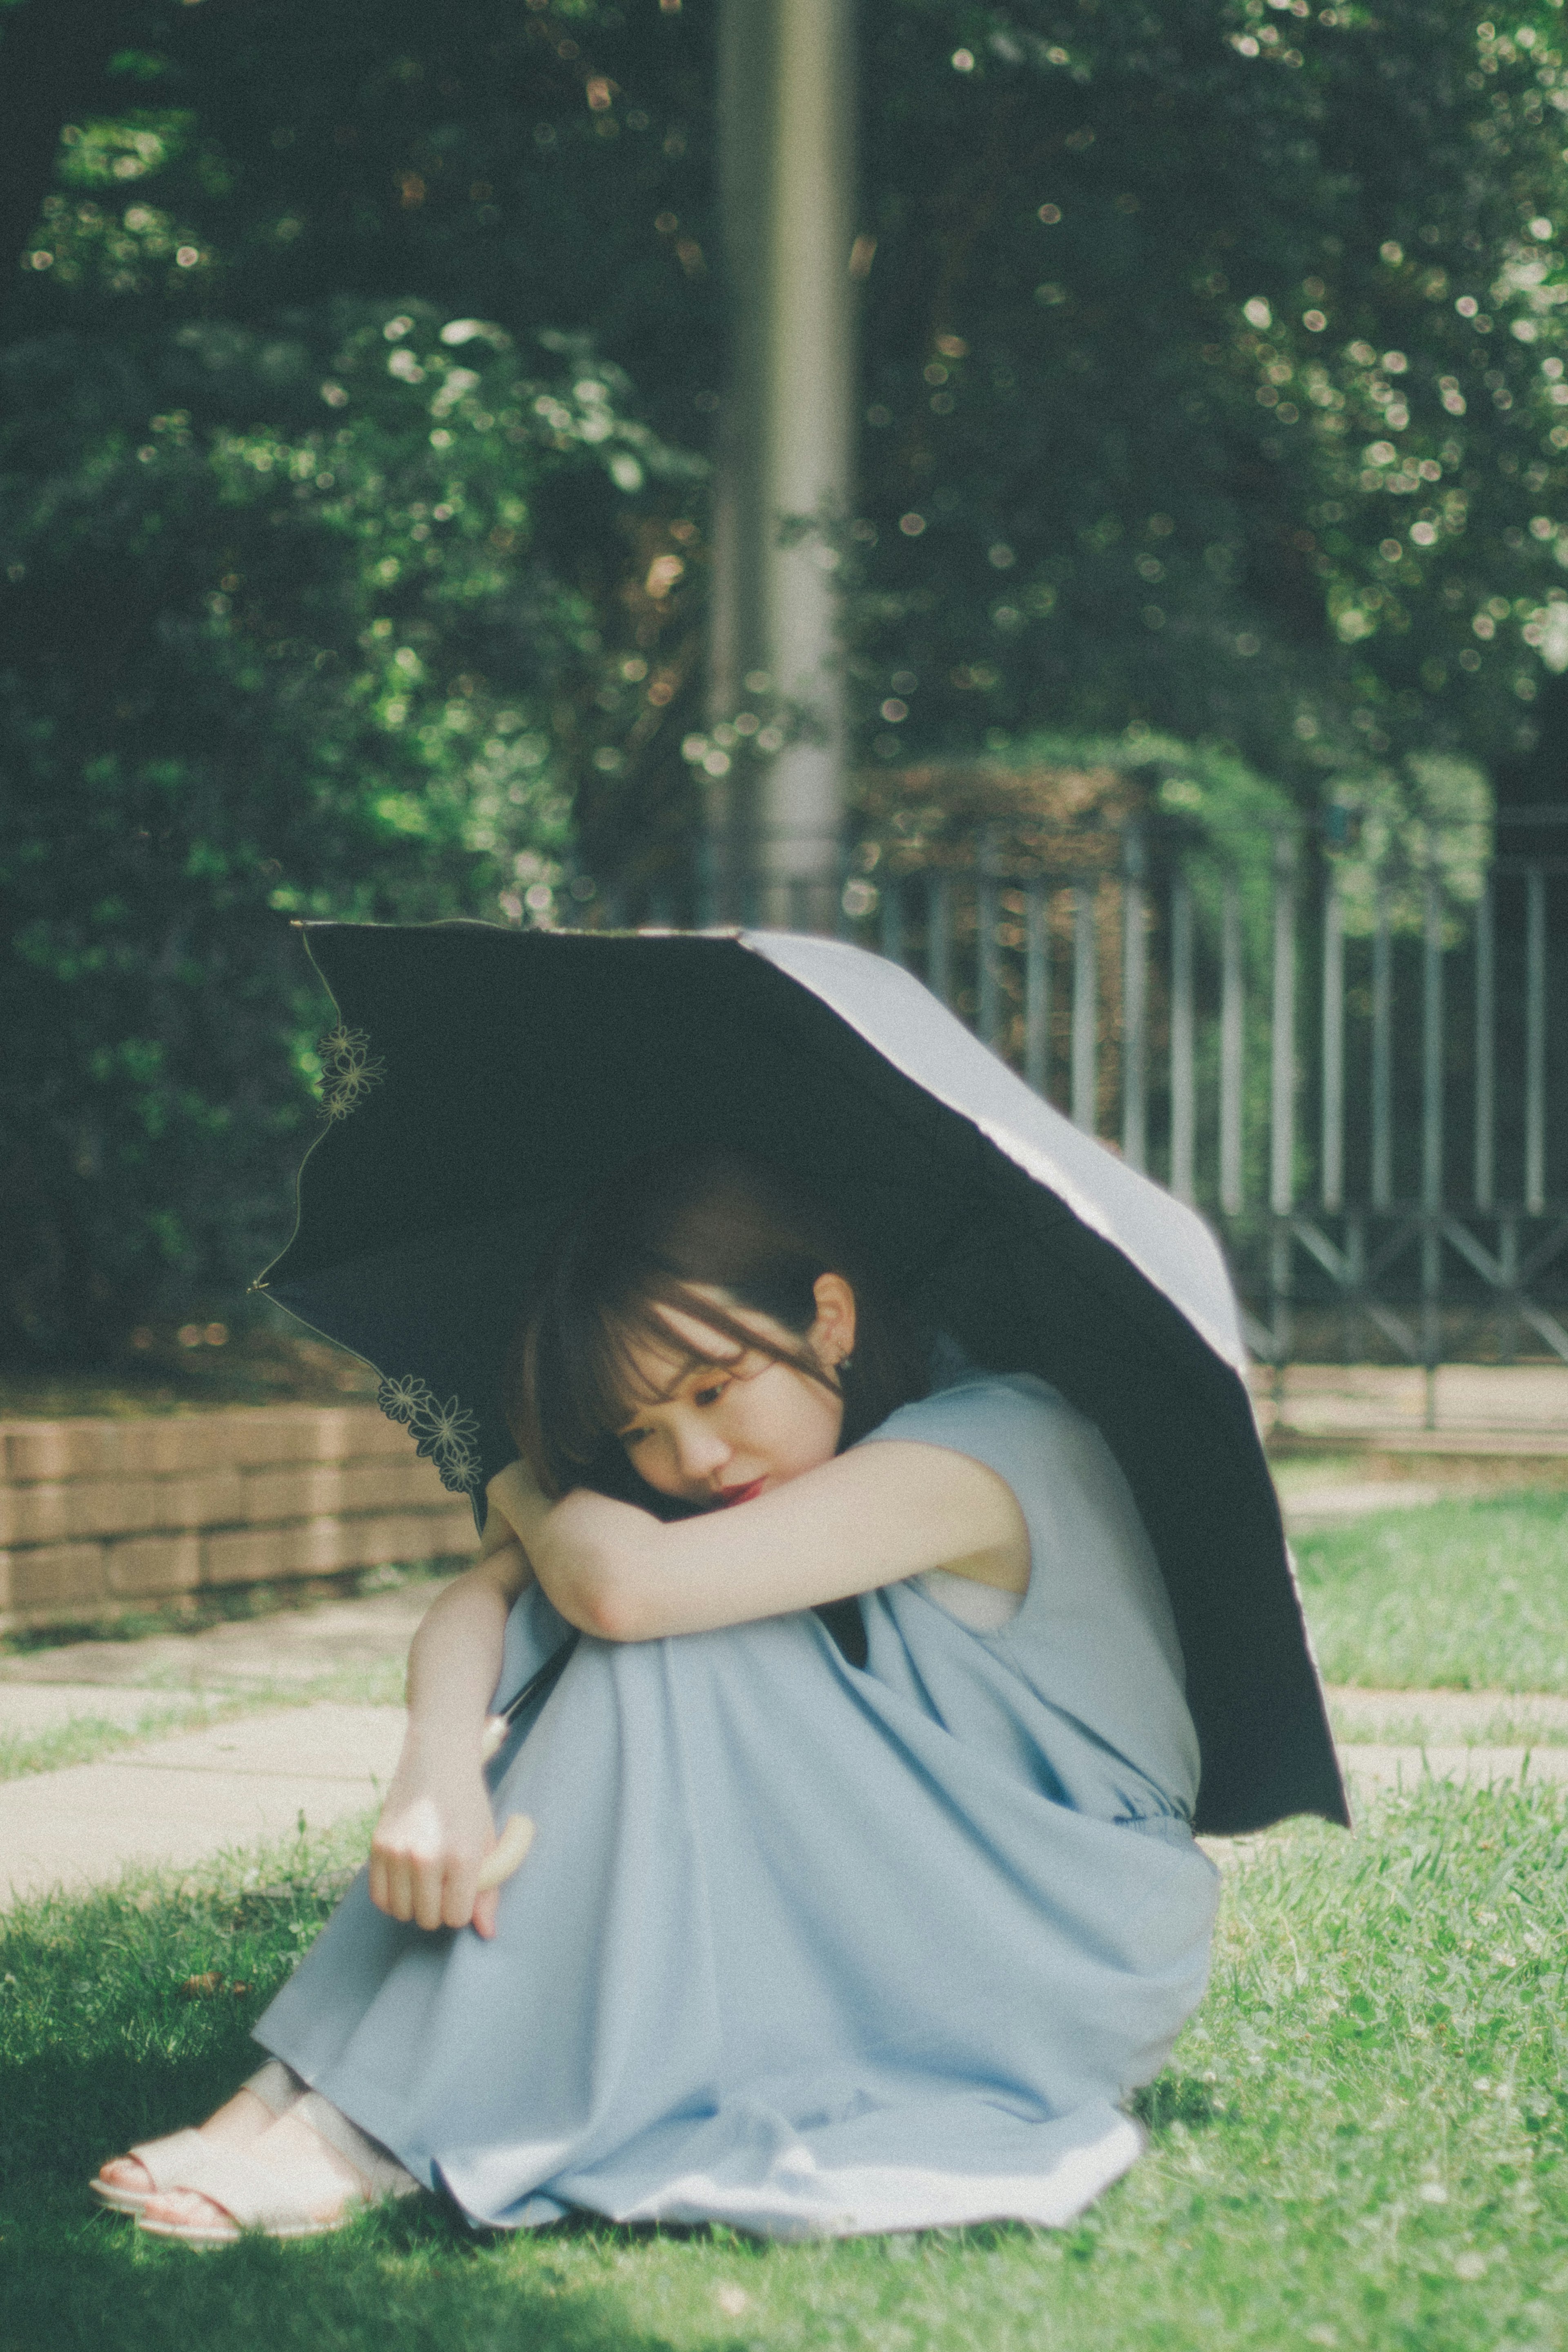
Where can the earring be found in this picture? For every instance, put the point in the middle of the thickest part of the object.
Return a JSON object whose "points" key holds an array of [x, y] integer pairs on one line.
{"points": [[843, 1367]]}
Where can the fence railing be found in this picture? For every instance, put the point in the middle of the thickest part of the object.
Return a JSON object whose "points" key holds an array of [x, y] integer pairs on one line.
{"points": [[1360, 1075]]}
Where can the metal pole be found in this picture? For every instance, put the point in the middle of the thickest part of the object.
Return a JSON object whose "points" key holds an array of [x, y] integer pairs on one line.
{"points": [[844, 927], [1085, 1007], [1507, 1273], [1282, 1102], [1431, 1138], [988, 913], [1134, 996], [939, 937], [1486, 1050], [1332, 1172], [892, 919], [1534, 1041], [786, 177], [1382, 1056], [1036, 989], [737, 646], [1232, 1090], [708, 880], [1282, 1088], [1432, 1050], [1184, 1123]]}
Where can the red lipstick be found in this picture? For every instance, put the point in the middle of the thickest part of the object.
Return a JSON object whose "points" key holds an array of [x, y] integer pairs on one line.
{"points": [[732, 1494]]}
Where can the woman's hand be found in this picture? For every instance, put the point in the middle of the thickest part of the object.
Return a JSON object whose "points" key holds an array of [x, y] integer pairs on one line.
{"points": [[435, 1829], [434, 1836]]}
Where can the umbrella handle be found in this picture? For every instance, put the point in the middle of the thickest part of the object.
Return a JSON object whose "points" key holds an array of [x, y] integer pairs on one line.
{"points": [[497, 1727], [509, 1851]]}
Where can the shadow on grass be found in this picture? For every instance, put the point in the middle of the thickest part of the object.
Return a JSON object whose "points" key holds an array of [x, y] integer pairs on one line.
{"points": [[410, 2278], [1174, 2099], [403, 2283], [104, 2045]]}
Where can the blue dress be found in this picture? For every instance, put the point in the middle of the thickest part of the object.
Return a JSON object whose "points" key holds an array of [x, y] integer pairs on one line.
{"points": [[803, 1948]]}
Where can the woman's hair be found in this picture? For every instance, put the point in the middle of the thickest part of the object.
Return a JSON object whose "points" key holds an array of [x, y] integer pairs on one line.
{"points": [[639, 1248]]}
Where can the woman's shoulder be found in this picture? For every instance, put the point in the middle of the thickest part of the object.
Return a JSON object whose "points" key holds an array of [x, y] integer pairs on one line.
{"points": [[980, 1412]]}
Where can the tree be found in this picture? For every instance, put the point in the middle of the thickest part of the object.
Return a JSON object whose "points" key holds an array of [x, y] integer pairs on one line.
{"points": [[1213, 369], [316, 595], [1215, 375], [306, 667]]}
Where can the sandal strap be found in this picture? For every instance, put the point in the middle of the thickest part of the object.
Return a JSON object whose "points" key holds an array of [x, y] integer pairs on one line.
{"points": [[381, 2173], [256, 2195], [163, 2159]]}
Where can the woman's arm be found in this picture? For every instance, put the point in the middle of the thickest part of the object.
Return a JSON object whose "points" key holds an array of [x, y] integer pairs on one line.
{"points": [[435, 1828], [873, 1517]]}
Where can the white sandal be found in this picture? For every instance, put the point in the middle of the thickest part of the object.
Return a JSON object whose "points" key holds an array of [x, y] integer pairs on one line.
{"points": [[257, 2194], [253, 2195], [274, 2084]]}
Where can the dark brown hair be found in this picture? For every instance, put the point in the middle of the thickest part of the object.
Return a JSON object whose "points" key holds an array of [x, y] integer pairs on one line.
{"points": [[641, 1246]]}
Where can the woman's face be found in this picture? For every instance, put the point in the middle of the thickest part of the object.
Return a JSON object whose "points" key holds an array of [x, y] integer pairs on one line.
{"points": [[725, 1431]]}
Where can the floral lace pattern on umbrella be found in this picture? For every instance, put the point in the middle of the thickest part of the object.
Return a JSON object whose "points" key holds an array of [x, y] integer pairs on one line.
{"points": [[349, 1070], [446, 1435]]}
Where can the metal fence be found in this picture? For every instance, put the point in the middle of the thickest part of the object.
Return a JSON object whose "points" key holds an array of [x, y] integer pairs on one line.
{"points": [[1360, 1077]]}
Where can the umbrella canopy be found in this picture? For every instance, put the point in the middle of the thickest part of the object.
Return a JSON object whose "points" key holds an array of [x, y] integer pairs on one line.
{"points": [[483, 1082]]}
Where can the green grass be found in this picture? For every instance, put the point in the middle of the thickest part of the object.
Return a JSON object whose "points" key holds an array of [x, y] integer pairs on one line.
{"points": [[1472, 1596], [1361, 2143], [86, 1737]]}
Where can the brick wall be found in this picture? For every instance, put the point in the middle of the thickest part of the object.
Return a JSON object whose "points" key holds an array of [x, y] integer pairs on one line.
{"points": [[99, 1517]]}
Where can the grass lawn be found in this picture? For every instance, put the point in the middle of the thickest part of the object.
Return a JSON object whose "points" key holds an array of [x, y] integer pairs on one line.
{"points": [[1362, 2141], [1466, 1595]]}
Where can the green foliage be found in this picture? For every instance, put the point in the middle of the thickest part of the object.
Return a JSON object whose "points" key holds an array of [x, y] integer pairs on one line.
{"points": [[1215, 366], [1432, 823], [1360, 2143], [305, 610], [1466, 1596], [300, 625], [1212, 360]]}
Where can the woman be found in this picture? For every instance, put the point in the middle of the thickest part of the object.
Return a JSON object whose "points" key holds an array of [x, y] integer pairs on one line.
{"points": [[807, 1942]]}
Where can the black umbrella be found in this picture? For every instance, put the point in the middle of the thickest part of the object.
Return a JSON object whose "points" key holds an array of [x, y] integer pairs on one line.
{"points": [[483, 1082]]}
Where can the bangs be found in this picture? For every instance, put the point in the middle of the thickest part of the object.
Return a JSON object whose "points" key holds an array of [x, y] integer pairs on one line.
{"points": [[585, 1377], [619, 1306]]}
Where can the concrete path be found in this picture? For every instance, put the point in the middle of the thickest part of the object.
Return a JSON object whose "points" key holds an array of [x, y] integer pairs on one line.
{"points": [[1449, 1719], [177, 1801], [1366, 1768], [293, 1645], [1521, 1406], [1312, 1504], [32, 1710]]}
